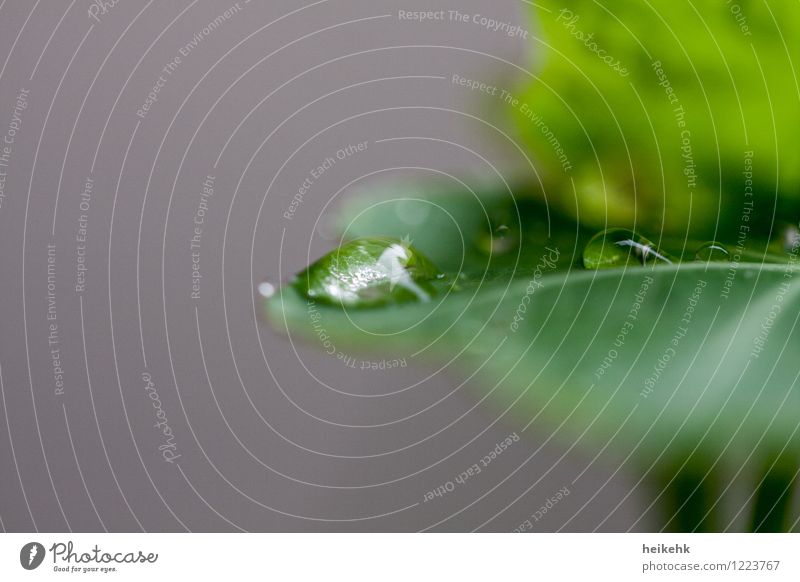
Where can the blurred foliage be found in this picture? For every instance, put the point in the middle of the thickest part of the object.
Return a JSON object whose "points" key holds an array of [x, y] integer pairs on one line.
{"points": [[600, 89]]}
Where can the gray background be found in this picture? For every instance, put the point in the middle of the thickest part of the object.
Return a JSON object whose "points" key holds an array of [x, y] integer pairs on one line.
{"points": [[271, 435]]}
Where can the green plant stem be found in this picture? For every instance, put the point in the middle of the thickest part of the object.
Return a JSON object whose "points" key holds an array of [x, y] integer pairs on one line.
{"points": [[688, 499], [773, 498]]}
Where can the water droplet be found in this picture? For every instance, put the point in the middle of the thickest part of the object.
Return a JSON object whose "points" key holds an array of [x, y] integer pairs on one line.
{"points": [[368, 272], [499, 241], [499, 237], [712, 251], [266, 290], [617, 247]]}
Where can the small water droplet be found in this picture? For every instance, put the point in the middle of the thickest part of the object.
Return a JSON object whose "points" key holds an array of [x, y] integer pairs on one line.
{"points": [[498, 241], [712, 251], [617, 247], [368, 272], [266, 290]]}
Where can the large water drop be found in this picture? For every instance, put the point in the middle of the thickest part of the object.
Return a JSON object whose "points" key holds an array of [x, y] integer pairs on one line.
{"points": [[369, 272]]}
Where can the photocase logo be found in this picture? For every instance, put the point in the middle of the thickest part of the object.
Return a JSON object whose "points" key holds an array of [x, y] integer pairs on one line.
{"points": [[31, 555]]}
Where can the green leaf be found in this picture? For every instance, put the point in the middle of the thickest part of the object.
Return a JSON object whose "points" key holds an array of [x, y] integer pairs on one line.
{"points": [[709, 90], [690, 363], [667, 358]]}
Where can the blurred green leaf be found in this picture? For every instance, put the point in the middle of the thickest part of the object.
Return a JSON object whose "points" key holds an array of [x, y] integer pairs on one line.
{"points": [[657, 105]]}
